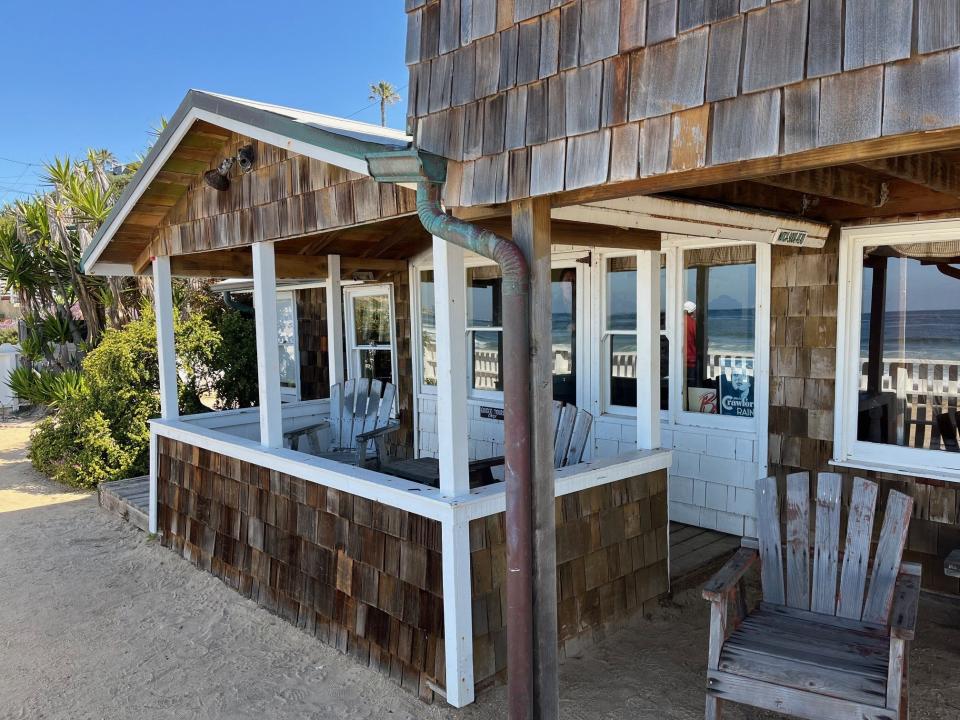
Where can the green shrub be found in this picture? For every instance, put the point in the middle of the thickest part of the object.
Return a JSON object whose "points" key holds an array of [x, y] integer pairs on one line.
{"points": [[10, 336], [76, 447], [101, 432], [235, 365]]}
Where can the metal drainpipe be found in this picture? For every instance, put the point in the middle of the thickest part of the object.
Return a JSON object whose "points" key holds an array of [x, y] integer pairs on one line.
{"points": [[516, 431]]}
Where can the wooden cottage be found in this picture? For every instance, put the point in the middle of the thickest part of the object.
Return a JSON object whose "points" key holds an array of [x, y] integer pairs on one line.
{"points": [[742, 221]]}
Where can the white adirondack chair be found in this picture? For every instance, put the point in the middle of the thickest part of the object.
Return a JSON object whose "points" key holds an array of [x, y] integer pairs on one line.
{"points": [[360, 412], [817, 652]]}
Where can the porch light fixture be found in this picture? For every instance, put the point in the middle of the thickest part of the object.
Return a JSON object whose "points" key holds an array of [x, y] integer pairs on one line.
{"points": [[218, 178]]}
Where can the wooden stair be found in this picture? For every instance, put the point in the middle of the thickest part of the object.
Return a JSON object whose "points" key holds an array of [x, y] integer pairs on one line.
{"points": [[696, 553], [128, 498]]}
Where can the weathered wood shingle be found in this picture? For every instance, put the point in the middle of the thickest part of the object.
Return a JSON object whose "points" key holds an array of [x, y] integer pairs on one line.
{"points": [[669, 76], [745, 127], [922, 93], [938, 25], [876, 32], [775, 46]]}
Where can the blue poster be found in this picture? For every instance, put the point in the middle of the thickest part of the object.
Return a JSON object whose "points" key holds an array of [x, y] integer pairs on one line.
{"points": [[736, 394]]}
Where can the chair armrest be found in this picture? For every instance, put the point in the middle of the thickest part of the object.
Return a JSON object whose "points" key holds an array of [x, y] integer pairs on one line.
{"points": [[906, 596], [371, 434], [719, 587]]}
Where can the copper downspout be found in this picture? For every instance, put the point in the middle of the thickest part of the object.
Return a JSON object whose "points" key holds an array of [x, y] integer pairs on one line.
{"points": [[516, 432]]}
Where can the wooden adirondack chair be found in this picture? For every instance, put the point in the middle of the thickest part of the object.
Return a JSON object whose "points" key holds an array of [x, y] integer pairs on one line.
{"points": [[359, 416], [571, 428], [817, 653]]}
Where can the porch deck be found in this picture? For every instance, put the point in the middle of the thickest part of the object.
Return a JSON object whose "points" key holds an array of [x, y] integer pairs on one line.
{"points": [[129, 498], [695, 553]]}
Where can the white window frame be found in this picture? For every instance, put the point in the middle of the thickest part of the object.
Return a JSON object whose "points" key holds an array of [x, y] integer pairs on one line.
{"points": [[672, 247], [474, 393], [605, 336], [291, 394], [848, 451], [416, 307], [349, 293]]}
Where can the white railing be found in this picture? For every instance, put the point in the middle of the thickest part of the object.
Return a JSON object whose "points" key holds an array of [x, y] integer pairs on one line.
{"points": [[924, 389]]}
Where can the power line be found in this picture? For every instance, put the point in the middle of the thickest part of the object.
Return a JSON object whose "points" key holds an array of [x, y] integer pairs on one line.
{"points": [[20, 162]]}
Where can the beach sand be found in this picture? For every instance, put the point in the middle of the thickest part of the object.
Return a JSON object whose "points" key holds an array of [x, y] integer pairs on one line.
{"points": [[99, 621]]}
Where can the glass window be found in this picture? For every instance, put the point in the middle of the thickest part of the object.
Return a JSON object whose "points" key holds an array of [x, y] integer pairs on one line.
{"points": [[718, 328], [428, 328], [563, 289], [620, 331], [910, 345], [287, 343], [484, 327], [371, 345]]}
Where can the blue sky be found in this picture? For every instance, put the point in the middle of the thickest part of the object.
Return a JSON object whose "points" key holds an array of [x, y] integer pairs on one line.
{"points": [[101, 74]]}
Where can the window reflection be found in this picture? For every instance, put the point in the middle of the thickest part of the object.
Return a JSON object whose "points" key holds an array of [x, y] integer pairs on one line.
{"points": [[563, 290], [910, 346], [428, 327], [717, 329]]}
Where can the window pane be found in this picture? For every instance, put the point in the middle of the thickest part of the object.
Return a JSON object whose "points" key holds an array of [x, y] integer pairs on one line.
{"points": [[288, 367], [623, 370], [664, 339], [428, 328], [371, 317], [487, 351], [483, 297], [564, 292], [910, 346], [376, 365], [622, 293], [718, 330], [286, 327]]}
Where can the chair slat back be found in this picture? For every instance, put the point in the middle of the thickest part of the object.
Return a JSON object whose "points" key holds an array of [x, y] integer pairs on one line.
{"points": [[856, 556], [795, 590], [578, 438], [357, 406], [826, 544], [561, 441], [798, 541], [886, 563], [768, 533]]}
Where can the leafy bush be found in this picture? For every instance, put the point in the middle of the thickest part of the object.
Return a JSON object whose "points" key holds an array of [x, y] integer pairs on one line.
{"points": [[10, 336], [101, 432], [45, 387], [235, 365]]}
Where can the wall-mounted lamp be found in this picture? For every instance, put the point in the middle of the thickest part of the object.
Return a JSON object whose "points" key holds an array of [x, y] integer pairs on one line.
{"points": [[219, 178]]}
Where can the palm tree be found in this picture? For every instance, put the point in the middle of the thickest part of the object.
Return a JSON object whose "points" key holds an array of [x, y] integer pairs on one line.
{"points": [[386, 94]]}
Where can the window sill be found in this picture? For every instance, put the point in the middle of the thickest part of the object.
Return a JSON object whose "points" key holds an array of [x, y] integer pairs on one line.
{"points": [[928, 473]]}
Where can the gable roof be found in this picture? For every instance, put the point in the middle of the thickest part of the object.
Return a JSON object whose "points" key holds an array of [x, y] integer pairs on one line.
{"points": [[339, 141]]}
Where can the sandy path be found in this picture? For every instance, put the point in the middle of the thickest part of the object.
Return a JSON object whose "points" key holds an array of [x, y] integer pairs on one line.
{"points": [[97, 621]]}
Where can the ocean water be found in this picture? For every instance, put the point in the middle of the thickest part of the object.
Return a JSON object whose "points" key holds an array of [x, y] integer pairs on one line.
{"points": [[926, 335]]}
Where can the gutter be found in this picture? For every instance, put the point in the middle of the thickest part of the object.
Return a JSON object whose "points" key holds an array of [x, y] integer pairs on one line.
{"points": [[429, 173]]}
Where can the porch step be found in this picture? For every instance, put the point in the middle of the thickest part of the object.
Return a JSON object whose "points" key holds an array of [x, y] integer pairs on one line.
{"points": [[696, 553], [130, 499]]}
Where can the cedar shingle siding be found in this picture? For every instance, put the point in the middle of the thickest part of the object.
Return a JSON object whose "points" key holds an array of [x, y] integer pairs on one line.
{"points": [[502, 88]]}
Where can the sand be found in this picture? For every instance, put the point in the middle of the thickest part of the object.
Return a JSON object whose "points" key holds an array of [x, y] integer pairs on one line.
{"points": [[99, 621]]}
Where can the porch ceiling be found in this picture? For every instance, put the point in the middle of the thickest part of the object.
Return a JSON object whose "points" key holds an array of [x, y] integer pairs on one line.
{"points": [[927, 184]]}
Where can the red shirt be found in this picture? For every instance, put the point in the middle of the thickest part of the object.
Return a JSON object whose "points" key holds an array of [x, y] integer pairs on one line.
{"points": [[691, 344]]}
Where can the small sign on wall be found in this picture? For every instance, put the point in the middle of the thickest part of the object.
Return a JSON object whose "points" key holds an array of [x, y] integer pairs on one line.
{"points": [[736, 395], [491, 413]]}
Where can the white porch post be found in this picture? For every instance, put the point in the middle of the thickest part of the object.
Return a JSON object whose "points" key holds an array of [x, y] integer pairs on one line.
{"points": [[648, 349], [334, 321], [167, 366], [268, 353], [166, 353], [450, 294], [452, 424]]}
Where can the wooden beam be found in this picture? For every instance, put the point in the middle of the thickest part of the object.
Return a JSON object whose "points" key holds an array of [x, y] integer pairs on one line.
{"points": [[846, 154], [930, 171], [531, 231], [839, 183], [238, 264], [570, 232]]}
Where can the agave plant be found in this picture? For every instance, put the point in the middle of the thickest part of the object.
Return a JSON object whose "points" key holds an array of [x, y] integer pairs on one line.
{"points": [[45, 387]]}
